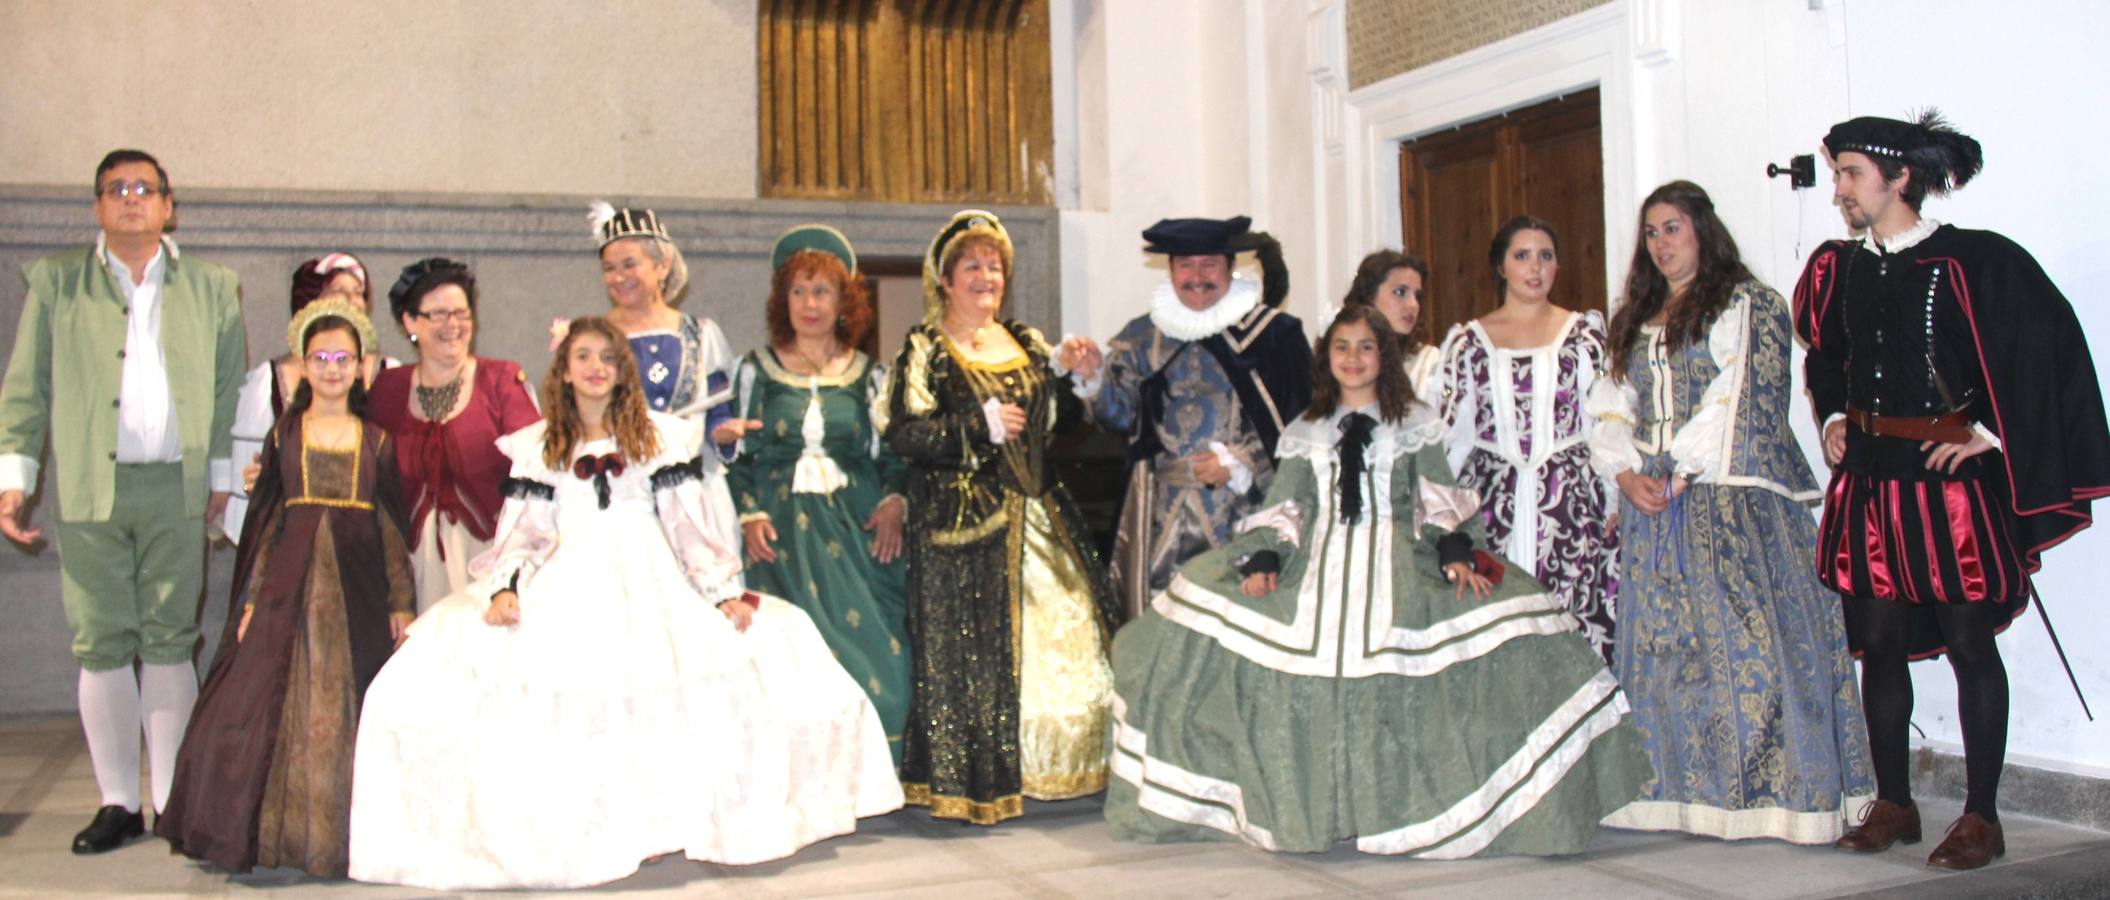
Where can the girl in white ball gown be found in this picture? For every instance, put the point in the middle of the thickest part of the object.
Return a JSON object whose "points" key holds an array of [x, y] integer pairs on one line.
{"points": [[582, 706]]}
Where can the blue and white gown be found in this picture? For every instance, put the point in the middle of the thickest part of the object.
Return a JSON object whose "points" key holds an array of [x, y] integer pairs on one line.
{"points": [[1731, 652], [688, 372]]}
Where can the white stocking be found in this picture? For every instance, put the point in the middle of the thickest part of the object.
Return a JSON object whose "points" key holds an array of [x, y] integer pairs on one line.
{"points": [[168, 692], [110, 716]]}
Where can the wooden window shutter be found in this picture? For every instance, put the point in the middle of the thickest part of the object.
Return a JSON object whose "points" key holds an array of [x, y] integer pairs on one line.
{"points": [[933, 101]]}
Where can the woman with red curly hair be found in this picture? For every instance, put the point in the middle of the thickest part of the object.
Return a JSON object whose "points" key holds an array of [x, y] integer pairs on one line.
{"points": [[819, 494]]}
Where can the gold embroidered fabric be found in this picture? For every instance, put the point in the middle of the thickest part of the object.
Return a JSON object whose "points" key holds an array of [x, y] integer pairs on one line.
{"points": [[1009, 615]]}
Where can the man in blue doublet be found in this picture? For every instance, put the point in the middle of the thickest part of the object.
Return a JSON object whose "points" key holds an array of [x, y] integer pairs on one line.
{"points": [[1202, 386]]}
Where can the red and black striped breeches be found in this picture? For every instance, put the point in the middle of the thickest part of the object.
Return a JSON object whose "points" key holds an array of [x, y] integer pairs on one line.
{"points": [[1920, 541]]}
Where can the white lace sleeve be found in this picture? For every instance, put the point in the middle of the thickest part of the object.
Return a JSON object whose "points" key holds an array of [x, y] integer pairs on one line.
{"points": [[1701, 445], [252, 424], [526, 534], [714, 356], [690, 522]]}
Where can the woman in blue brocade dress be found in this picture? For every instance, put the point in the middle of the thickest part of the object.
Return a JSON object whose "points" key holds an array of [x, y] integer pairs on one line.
{"points": [[684, 361], [1730, 650]]}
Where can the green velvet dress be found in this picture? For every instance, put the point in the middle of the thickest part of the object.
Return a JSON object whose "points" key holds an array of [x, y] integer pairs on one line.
{"points": [[816, 471], [1364, 699]]}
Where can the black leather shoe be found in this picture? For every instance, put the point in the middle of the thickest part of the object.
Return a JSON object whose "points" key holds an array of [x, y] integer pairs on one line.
{"points": [[114, 826]]}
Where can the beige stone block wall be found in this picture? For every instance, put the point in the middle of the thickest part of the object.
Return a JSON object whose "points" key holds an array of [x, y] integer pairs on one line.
{"points": [[1388, 37], [527, 96]]}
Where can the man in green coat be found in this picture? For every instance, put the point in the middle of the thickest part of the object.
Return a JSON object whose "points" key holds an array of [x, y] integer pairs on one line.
{"points": [[127, 358]]}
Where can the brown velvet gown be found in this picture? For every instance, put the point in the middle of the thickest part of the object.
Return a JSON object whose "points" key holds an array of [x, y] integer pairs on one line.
{"points": [[264, 777]]}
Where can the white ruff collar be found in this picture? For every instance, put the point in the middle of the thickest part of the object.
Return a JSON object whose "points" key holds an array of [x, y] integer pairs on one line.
{"points": [[1177, 321], [1903, 239]]}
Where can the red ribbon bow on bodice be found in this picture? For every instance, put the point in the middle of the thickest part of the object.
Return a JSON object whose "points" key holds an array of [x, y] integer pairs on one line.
{"points": [[598, 469], [589, 466]]}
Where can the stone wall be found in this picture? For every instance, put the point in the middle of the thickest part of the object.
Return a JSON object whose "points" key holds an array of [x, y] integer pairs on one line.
{"points": [[534, 261], [398, 95], [1388, 37]]}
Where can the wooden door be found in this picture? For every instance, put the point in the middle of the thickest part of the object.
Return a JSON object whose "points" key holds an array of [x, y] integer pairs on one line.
{"points": [[1458, 186]]}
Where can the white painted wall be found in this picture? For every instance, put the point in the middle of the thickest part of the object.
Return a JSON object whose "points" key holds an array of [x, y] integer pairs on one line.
{"points": [[1182, 108]]}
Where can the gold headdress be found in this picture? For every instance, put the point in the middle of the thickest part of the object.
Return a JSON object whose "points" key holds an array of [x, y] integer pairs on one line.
{"points": [[965, 222]]}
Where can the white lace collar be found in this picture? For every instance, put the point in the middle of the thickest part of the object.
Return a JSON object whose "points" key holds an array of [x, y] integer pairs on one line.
{"points": [[1903, 239], [1174, 318], [1316, 439]]}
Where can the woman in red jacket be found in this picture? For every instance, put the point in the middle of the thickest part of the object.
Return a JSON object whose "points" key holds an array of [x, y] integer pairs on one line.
{"points": [[446, 412]]}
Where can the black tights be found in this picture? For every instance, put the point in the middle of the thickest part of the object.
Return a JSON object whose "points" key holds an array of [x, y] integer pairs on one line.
{"points": [[1880, 628]]}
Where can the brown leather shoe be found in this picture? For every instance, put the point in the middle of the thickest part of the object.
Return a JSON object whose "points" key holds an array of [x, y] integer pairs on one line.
{"points": [[1972, 843], [1883, 823]]}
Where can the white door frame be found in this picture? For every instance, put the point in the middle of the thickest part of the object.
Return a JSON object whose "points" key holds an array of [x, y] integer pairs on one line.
{"points": [[1357, 133]]}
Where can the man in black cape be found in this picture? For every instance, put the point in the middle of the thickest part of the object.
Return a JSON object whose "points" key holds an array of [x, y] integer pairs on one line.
{"points": [[1966, 430]]}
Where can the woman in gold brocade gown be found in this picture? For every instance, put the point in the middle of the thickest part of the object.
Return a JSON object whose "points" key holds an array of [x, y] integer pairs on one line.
{"points": [[1008, 607]]}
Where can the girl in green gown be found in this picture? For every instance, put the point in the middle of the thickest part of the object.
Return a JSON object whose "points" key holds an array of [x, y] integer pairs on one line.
{"points": [[1349, 667], [819, 494]]}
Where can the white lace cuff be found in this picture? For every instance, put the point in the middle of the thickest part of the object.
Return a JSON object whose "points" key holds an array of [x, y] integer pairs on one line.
{"points": [[1241, 475], [997, 433]]}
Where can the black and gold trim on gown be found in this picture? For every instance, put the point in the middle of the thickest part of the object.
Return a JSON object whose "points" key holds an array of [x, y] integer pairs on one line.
{"points": [[1008, 608]]}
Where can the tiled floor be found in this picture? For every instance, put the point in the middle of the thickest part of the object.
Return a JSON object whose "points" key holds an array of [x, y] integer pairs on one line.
{"points": [[1063, 850]]}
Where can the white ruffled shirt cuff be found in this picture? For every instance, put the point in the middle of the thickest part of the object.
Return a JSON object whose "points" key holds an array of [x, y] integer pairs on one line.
{"points": [[1241, 477], [1084, 389], [219, 474]]}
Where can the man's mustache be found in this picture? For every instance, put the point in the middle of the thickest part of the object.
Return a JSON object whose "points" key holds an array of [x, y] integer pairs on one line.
{"points": [[1203, 285]]}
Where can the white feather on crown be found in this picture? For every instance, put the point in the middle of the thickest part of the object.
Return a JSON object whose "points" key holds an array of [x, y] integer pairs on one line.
{"points": [[599, 214]]}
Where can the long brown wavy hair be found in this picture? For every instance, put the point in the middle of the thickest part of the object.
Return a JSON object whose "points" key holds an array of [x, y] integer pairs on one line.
{"points": [[1395, 392], [1721, 270], [627, 417], [853, 308]]}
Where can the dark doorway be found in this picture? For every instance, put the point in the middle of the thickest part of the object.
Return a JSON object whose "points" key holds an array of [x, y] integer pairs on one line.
{"points": [[1458, 186]]}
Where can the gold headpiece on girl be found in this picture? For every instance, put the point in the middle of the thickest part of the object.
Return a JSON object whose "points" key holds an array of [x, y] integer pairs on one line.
{"points": [[297, 329]]}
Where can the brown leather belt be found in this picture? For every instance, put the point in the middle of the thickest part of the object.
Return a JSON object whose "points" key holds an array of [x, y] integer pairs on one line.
{"points": [[1954, 428]]}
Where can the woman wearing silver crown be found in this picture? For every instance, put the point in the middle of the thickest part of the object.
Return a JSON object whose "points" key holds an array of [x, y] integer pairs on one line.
{"points": [[683, 361]]}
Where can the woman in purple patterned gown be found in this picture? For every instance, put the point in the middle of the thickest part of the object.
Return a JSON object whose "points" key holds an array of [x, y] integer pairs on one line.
{"points": [[1513, 387]]}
